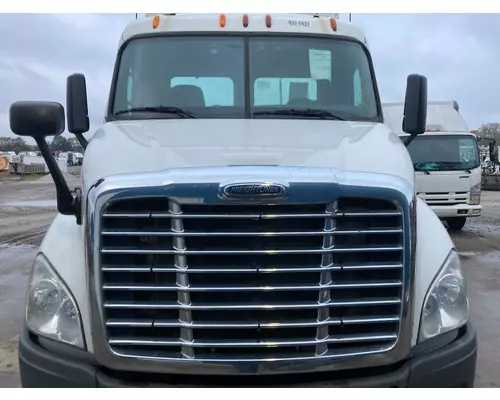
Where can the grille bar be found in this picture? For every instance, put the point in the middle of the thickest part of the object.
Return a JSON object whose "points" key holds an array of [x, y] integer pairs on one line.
{"points": [[255, 343], [254, 270], [243, 306], [246, 325], [325, 232], [252, 216], [326, 286], [179, 252]]}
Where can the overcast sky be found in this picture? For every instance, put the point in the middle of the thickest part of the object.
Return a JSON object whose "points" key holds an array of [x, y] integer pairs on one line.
{"points": [[459, 54]]}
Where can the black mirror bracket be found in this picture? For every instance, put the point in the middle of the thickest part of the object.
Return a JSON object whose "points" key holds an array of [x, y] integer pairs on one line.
{"points": [[77, 200], [67, 204]]}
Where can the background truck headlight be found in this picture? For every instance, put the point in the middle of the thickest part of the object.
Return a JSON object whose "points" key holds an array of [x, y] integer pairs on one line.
{"points": [[475, 195], [50, 309], [446, 305]]}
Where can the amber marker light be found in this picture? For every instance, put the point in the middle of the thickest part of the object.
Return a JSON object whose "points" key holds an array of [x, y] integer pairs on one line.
{"points": [[156, 21]]}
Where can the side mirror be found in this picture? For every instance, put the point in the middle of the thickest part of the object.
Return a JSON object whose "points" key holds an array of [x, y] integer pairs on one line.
{"points": [[40, 119], [77, 107], [37, 119], [415, 109]]}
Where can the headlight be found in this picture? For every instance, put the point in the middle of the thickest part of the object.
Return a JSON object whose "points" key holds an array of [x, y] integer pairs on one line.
{"points": [[475, 195], [446, 305], [50, 309]]}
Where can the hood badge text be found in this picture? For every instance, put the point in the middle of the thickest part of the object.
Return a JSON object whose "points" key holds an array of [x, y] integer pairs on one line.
{"points": [[253, 191]]}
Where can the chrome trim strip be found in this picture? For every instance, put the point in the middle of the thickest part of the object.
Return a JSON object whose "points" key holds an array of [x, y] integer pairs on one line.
{"points": [[245, 325], [303, 185], [256, 343], [179, 252], [251, 270], [250, 216], [326, 304], [325, 285], [331, 232]]}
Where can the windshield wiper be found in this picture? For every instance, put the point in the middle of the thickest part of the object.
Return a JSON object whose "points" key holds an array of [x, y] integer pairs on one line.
{"points": [[426, 172], [158, 109], [453, 166], [309, 112]]}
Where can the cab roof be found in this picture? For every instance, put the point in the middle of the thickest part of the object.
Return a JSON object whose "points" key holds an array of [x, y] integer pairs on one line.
{"points": [[442, 116], [326, 24], [441, 134]]}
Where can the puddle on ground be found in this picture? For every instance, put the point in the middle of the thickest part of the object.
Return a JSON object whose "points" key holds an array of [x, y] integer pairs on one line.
{"points": [[14, 254], [468, 254], [33, 203]]}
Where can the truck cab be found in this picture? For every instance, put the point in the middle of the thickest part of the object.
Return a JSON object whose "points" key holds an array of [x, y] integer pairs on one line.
{"points": [[446, 160], [260, 240]]}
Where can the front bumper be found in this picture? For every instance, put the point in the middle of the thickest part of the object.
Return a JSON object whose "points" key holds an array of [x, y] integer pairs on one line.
{"points": [[452, 365], [460, 210]]}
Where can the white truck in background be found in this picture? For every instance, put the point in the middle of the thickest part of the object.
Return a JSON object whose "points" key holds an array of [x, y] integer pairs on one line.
{"points": [[74, 158], [262, 240], [446, 161]]}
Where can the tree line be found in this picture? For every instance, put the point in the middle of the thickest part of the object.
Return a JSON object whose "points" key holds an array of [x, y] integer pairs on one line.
{"points": [[489, 131], [59, 143]]}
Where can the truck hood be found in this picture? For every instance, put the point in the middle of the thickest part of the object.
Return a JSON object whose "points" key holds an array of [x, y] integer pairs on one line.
{"points": [[155, 145], [444, 182]]}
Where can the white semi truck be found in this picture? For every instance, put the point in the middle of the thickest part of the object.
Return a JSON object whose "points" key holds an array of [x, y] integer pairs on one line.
{"points": [[446, 160], [259, 241]]}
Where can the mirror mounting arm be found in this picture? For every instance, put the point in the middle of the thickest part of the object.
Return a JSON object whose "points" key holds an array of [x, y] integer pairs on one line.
{"points": [[409, 139], [81, 139], [67, 204]]}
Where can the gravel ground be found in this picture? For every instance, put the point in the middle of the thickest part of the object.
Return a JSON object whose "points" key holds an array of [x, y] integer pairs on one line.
{"points": [[27, 209]]}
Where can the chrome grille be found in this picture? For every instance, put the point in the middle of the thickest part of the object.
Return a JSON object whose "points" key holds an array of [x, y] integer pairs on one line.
{"points": [[226, 282]]}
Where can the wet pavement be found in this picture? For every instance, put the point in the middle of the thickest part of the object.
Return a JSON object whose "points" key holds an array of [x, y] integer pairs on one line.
{"points": [[34, 203], [15, 263], [25, 215]]}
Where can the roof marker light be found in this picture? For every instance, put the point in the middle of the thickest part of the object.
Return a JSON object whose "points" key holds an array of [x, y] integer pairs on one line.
{"points": [[268, 21], [222, 20], [156, 21], [245, 21], [333, 24]]}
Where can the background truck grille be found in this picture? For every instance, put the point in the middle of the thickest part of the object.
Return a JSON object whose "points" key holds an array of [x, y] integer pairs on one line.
{"points": [[444, 198], [235, 282]]}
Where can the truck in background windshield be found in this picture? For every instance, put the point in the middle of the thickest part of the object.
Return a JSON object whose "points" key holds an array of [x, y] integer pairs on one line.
{"points": [[446, 161]]}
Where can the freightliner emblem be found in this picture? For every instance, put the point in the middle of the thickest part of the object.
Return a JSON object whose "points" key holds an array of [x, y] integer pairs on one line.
{"points": [[244, 191]]}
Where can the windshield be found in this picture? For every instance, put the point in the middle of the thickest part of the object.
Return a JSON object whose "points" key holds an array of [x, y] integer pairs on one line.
{"points": [[448, 153], [244, 77]]}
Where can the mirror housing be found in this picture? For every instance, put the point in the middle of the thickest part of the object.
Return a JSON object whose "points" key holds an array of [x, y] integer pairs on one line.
{"points": [[39, 119], [415, 109], [36, 119], [77, 107]]}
